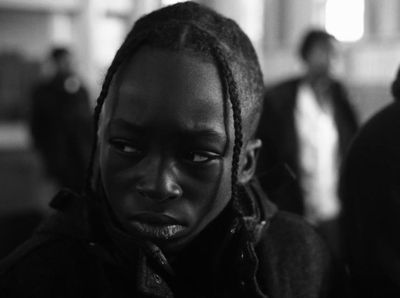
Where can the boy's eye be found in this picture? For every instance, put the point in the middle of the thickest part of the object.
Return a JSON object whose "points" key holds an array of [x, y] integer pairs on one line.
{"points": [[125, 147], [201, 157]]}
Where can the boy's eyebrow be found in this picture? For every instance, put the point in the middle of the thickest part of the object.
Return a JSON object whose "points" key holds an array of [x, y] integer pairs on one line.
{"points": [[199, 131], [121, 123]]}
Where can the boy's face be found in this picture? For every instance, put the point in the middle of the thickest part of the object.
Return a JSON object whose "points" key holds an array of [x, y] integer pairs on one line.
{"points": [[166, 148]]}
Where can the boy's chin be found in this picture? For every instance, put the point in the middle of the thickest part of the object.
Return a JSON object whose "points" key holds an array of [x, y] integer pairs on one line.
{"points": [[171, 240]]}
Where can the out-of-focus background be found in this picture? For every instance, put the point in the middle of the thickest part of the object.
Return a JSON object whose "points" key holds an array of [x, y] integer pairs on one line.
{"points": [[93, 30]]}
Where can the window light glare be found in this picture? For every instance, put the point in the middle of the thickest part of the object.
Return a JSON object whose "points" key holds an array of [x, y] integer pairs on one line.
{"points": [[345, 19], [170, 2]]}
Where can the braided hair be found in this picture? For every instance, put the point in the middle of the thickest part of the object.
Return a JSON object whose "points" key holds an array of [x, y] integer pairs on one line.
{"points": [[395, 87], [191, 27]]}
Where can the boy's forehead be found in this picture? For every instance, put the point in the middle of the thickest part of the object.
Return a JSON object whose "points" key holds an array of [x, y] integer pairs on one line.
{"points": [[168, 82], [168, 69]]}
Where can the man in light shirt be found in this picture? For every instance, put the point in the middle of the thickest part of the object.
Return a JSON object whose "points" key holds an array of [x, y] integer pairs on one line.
{"points": [[307, 125]]}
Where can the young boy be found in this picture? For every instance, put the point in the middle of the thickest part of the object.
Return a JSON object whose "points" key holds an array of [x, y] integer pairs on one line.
{"points": [[171, 208]]}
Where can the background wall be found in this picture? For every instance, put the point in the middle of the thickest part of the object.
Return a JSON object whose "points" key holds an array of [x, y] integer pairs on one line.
{"points": [[95, 28]]}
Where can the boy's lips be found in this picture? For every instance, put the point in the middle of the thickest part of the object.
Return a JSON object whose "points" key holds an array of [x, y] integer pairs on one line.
{"points": [[155, 219], [157, 226]]}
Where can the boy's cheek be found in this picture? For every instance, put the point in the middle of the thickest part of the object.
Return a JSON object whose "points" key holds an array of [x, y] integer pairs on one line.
{"points": [[114, 173], [113, 162], [206, 186]]}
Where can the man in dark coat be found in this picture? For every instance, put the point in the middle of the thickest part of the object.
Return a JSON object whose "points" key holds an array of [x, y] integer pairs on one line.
{"points": [[61, 123], [306, 126]]}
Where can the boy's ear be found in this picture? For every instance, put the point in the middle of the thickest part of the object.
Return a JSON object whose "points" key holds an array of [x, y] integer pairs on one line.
{"points": [[248, 163]]}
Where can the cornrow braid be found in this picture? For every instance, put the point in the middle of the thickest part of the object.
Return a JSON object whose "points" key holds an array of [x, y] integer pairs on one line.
{"points": [[121, 55], [191, 27], [237, 124], [97, 111]]}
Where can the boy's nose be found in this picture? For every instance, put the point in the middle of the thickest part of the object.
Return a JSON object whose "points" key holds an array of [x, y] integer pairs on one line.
{"points": [[158, 182]]}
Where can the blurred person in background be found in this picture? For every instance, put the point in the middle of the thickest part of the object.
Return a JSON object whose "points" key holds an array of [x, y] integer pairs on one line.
{"points": [[370, 188], [371, 192], [61, 122], [307, 124]]}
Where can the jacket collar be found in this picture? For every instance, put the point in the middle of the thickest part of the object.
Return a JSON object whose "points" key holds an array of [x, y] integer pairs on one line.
{"points": [[260, 210], [153, 273]]}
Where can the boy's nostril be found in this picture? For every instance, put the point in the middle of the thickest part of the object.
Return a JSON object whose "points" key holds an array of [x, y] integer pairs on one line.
{"points": [[159, 194], [176, 192]]}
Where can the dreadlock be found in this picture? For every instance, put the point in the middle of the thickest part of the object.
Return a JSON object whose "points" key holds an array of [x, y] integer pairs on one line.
{"points": [[191, 27]]}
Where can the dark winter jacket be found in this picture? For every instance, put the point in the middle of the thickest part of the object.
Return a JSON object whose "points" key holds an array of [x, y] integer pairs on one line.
{"points": [[371, 197], [264, 253]]}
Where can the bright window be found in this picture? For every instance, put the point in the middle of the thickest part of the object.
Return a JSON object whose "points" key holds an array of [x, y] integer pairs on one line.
{"points": [[345, 19], [107, 39], [170, 2]]}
